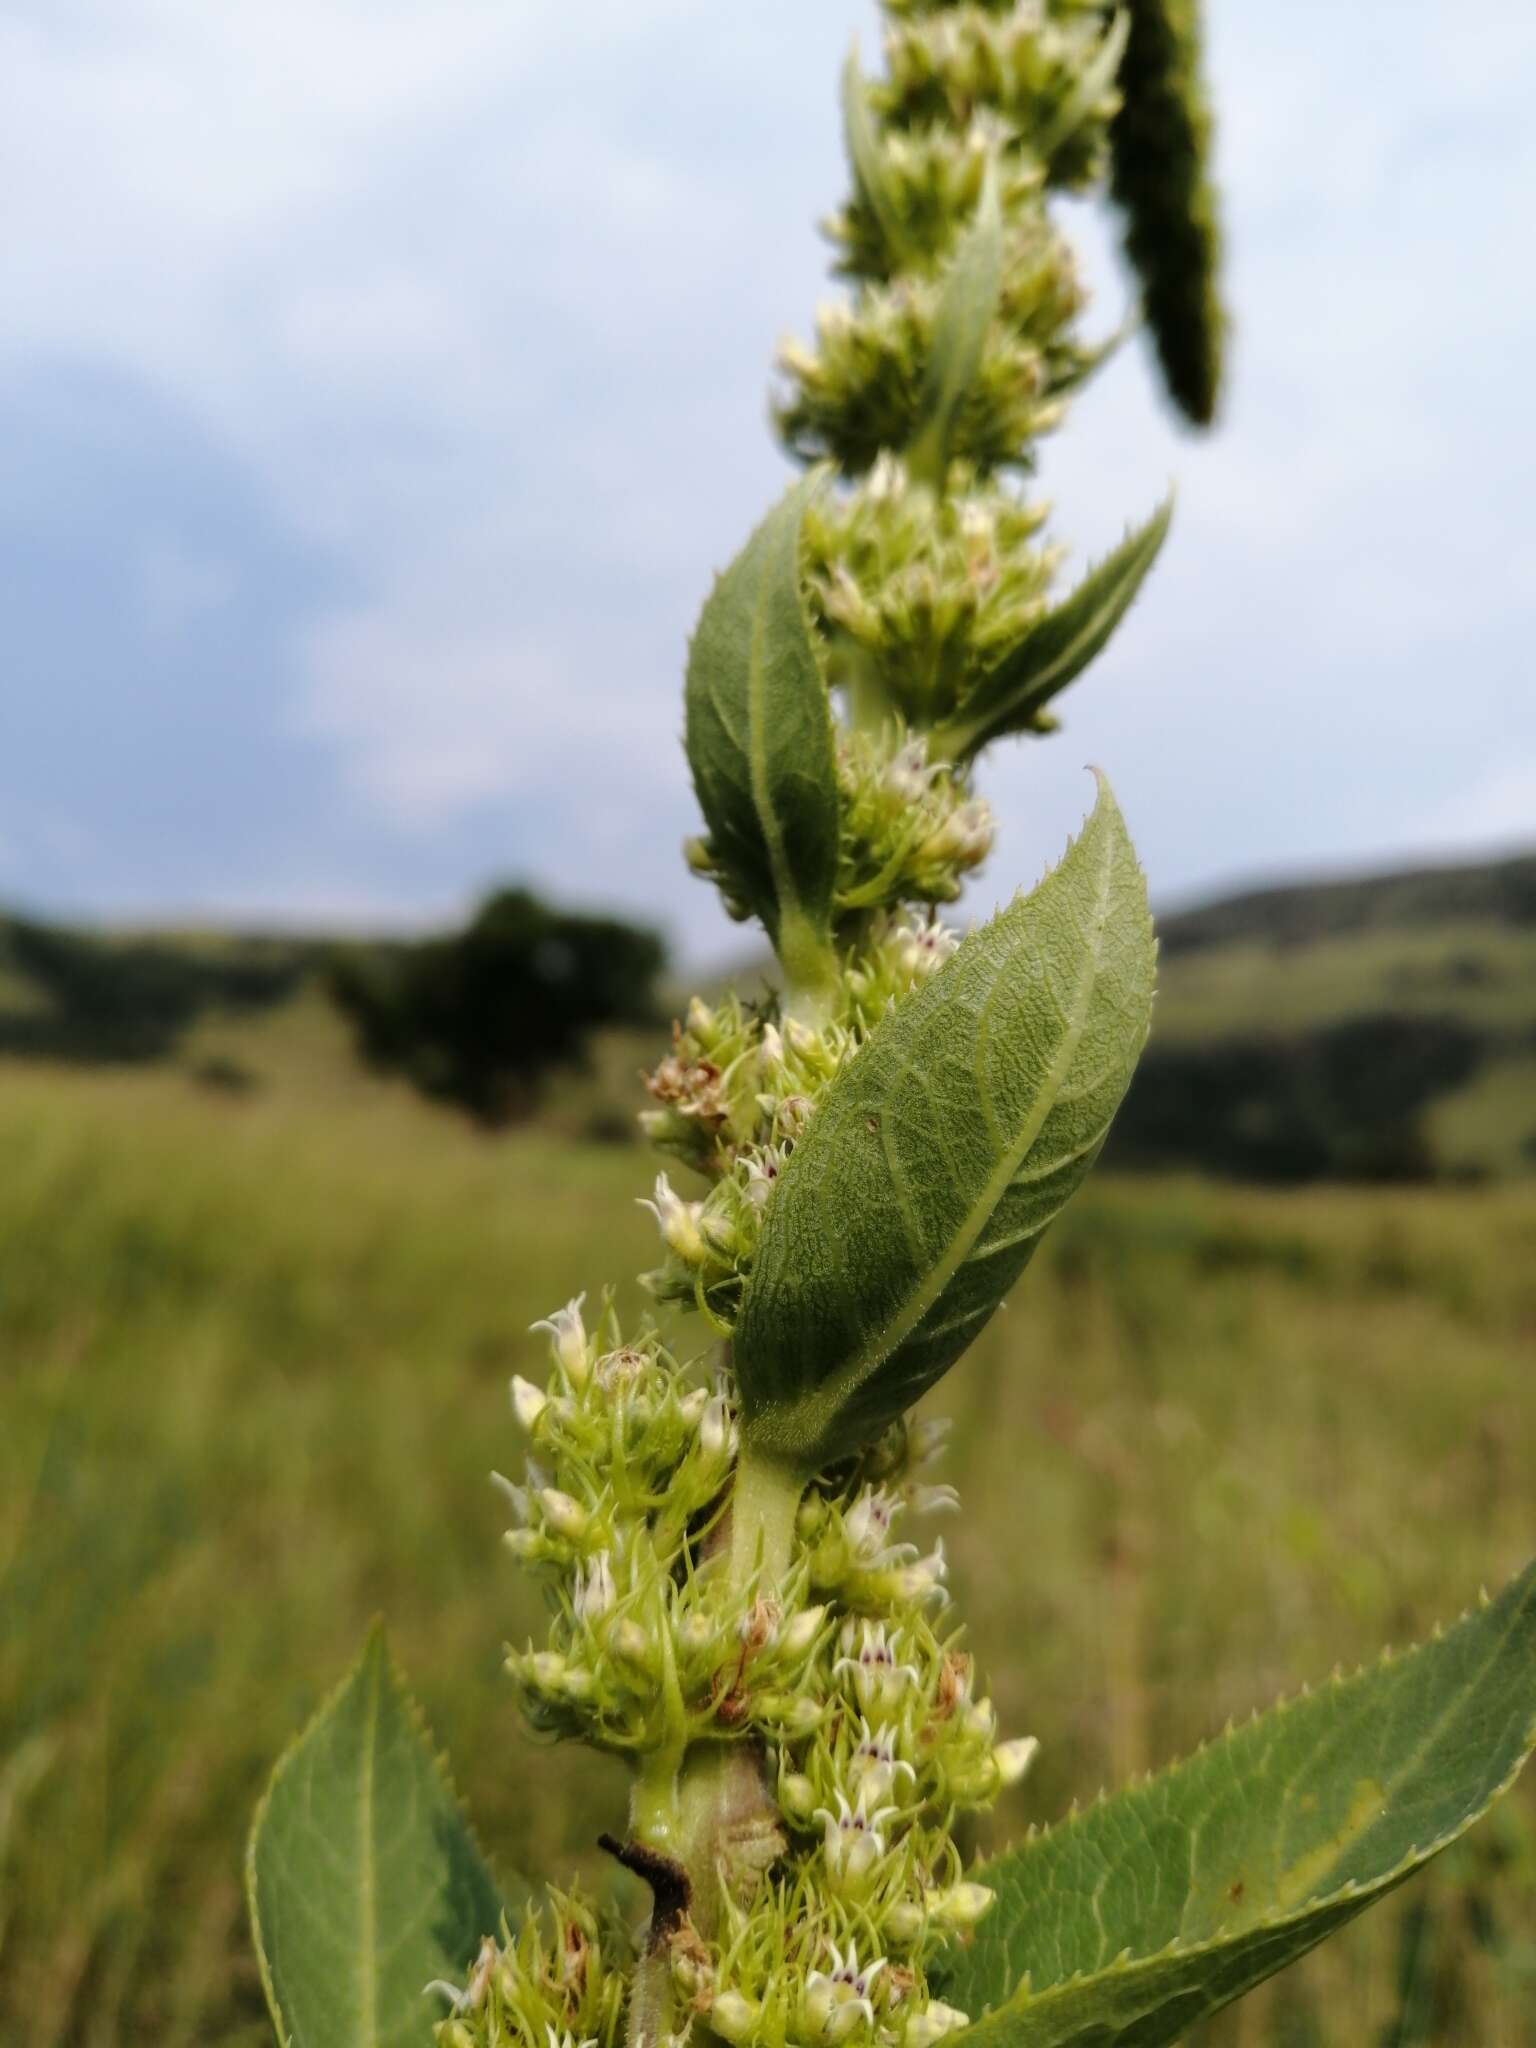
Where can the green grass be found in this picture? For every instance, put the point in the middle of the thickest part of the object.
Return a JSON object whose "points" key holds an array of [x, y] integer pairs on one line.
{"points": [[254, 1350]]}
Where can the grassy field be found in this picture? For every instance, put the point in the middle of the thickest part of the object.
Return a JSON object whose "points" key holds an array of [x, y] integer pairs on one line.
{"points": [[254, 1349]]}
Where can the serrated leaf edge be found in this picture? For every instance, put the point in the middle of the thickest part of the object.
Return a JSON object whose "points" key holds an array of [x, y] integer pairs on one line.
{"points": [[814, 1411], [375, 1642], [1128, 1959]]}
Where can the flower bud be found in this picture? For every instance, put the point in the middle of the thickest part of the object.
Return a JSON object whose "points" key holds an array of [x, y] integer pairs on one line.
{"points": [[960, 1906], [797, 1795], [904, 1923], [546, 1670], [696, 1632], [528, 1402], [924, 2028], [980, 1719], [802, 1631], [734, 2016], [629, 1641], [565, 1516], [1014, 1758]]}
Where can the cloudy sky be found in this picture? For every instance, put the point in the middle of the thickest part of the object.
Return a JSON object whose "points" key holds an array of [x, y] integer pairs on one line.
{"points": [[381, 381]]}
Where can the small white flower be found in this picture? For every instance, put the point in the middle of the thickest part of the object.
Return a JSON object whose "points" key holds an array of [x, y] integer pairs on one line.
{"points": [[837, 2001], [568, 1337], [771, 1052], [908, 773], [472, 1997], [926, 1440], [528, 1402], [867, 1526], [594, 1587], [879, 1678], [679, 1221], [877, 1765], [965, 835], [565, 2040], [924, 1578], [762, 1171], [1013, 1759], [852, 1840]]}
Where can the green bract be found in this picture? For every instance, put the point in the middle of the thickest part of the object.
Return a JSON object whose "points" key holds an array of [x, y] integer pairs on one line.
{"points": [[965, 315], [1012, 697], [1134, 1919], [759, 738], [942, 1152]]}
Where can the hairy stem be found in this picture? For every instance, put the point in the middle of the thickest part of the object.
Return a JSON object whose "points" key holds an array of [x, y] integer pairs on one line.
{"points": [[763, 1509]]}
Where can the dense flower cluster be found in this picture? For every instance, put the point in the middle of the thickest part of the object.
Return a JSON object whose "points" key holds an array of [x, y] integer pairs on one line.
{"points": [[803, 1717], [921, 594], [843, 1673]]}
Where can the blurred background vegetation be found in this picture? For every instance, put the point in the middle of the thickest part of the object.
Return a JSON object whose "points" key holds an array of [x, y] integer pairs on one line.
{"points": [[259, 1299]]}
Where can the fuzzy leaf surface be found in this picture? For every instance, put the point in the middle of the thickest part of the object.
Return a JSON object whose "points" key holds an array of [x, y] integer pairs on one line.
{"points": [[759, 736], [363, 1880], [942, 1151], [972, 292], [1133, 1920], [1056, 650]]}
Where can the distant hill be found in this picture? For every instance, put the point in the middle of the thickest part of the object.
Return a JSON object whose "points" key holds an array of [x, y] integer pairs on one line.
{"points": [[1378, 1028], [1381, 1028]]}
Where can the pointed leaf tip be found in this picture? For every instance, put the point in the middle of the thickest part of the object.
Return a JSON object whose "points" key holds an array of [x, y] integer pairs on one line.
{"points": [[362, 1877], [1232, 1864], [939, 1156], [759, 738]]}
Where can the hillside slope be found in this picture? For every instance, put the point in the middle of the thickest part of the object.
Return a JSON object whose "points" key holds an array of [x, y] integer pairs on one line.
{"points": [[1382, 1028], [1378, 1028]]}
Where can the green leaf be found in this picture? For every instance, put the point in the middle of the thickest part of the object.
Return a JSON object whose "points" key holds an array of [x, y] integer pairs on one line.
{"points": [[940, 1154], [866, 161], [1055, 651], [972, 293], [363, 1880], [759, 739], [1138, 1917]]}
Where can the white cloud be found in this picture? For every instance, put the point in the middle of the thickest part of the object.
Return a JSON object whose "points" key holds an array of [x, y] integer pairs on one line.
{"points": [[484, 296]]}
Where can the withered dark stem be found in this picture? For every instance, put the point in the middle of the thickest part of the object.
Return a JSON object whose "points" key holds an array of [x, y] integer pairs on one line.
{"points": [[671, 1887]]}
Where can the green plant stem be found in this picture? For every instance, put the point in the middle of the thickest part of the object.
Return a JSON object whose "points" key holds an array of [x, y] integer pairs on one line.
{"points": [[763, 1509]]}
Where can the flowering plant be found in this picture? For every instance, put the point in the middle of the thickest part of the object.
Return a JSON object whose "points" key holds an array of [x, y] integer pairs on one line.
{"points": [[721, 1505]]}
